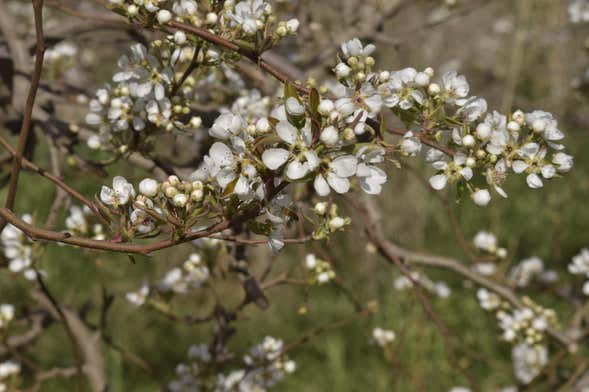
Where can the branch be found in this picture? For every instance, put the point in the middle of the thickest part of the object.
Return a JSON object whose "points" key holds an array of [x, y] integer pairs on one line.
{"points": [[28, 112]]}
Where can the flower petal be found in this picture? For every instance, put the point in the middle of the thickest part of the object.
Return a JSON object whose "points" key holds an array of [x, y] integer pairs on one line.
{"points": [[273, 158]]}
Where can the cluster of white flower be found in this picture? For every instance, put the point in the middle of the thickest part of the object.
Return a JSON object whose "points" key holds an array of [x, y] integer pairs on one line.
{"points": [[18, 249], [321, 269], [579, 11], [264, 367], [580, 266], [528, 361], [525, 328], [9, 376], [59, 58], [173, 202], [81, 221], [383, 337], [525, 271], [6, 315], [192, 275], [439, 289], [237, 20], [486, 242], [147, 97], [490, 143]]}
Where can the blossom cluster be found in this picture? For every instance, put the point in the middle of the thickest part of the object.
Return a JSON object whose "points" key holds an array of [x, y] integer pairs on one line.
{"points": [[439, 289], [193, 274], [320, 269], [18, 249], [525, 328], [263, 367], [82, 221], [146, 97], [236, 20]]}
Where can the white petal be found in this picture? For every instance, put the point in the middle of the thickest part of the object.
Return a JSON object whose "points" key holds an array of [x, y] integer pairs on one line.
{"points": [[225, 176], [339, 184], [466, 173], [296, 170], [312, 159], [221, 154], [275, 157], [287, 132], [321, 186], [534, 181], [548, 171], [438, 181], [519, 166], [344, 166]]}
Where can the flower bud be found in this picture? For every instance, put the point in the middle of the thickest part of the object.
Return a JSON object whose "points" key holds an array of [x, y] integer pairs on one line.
{"points": [[173, 180], [325, 107], [471, 162], [519, 117], [329, 136], [132, 10], [212, 18], [539, 126], [434, 89], [481, 197], [294, 107], [422, 79], [429, 71], [483, 131], [148, 187], [196, 122], [197, 195], [336, 223], [179, 37], [263, 125], [342, 71], [180, 200], [468, 140], [320, 208], [292, 25], [164, 16], [513, 126], [170, 191]]}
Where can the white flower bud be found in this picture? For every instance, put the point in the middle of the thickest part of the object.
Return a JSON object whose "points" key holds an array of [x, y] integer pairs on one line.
{"points": [[164, 16], [539, 126], [519, 117], [263, 125], [292, 25], [468, 141], [294, 107], [429, 71], [179, 37], [94, 142], [170, 191], [434, 89], [329, 136], [384, 76], [422, 79], [212, 18], [481, 197], [132, 10], [174, 180], [196, 122], [483, 131], [148, 187], [320, 208], [471, 162], [197, 195], [336, 223], [342, 71], [180, 200], [502, 252], [513, 126], [325, 107]]}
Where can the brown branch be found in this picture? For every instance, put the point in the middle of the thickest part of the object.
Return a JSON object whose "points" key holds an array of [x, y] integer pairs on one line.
{"points": [[28, 112], [392, 251]]}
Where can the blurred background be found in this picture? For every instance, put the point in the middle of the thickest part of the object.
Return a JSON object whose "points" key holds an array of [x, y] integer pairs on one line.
{"points": [[517, 54]]}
